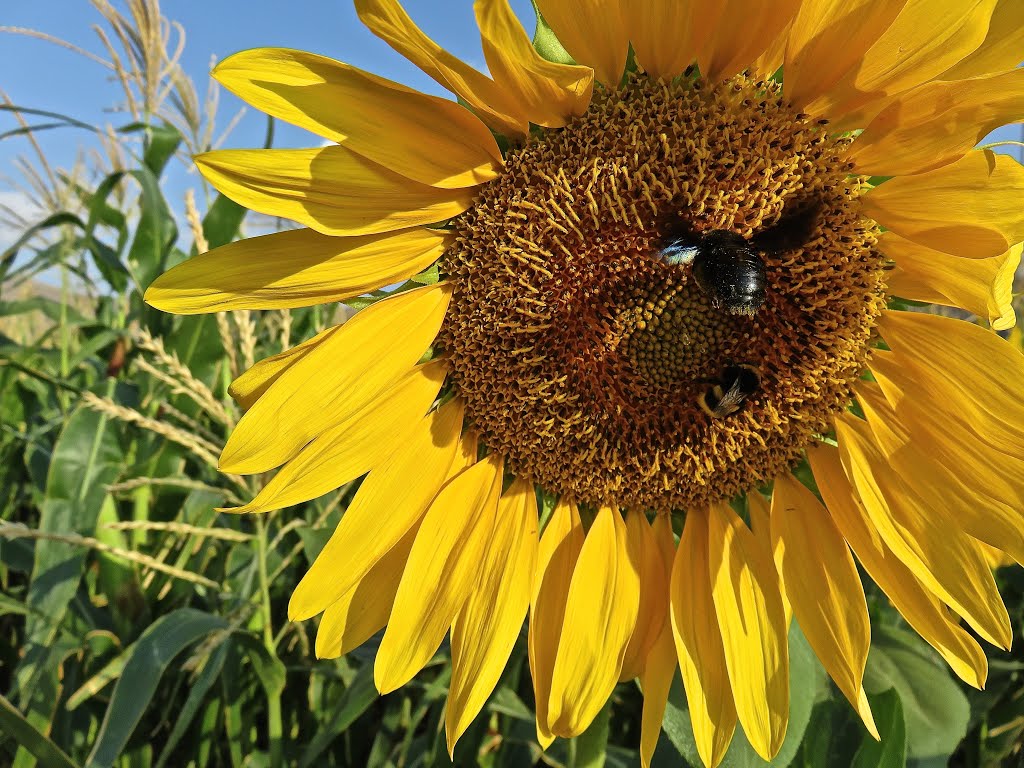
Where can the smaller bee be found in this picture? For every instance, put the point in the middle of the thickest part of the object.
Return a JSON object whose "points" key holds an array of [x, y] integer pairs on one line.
{"points": [[727, 395], [728, 267]]}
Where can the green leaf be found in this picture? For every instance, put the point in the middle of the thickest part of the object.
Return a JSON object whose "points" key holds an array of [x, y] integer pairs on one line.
{"points": [[547, 43], [197, 343], [506, 702], [101, 212], [935, 710], [268, 668], [14, 724], [358, 697], [55, 220], [890, 752], [819, 740], [806, 679], [592, 744], [86, 458], [50, 308], [27, 129], [156, 231], [222, 221], [110, 266], [162, 141], [108, 674], [39, 685], [154, 651], [200, 687], [427, 277], [44, 113]]}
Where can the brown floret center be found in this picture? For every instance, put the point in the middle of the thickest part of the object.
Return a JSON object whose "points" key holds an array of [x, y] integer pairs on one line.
{"points": [[583, 354]]}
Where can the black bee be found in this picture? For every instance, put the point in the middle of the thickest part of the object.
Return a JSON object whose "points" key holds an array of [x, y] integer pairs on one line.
{"points": [[727, 395], [728, 267]]}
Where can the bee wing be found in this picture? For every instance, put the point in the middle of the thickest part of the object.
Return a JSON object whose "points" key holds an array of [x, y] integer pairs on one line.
{"points": [[791, 231], [732, 399]]}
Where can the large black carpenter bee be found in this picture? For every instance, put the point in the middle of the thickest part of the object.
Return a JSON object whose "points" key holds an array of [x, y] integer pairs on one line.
{"points": [[728, 267]]}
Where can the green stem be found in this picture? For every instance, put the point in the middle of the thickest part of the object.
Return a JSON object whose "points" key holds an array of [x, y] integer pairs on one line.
{"points": [[65, 337], [275, 730]]}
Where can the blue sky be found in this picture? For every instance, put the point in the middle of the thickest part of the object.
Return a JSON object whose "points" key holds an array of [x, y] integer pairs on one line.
{"points": [[43, 76]]}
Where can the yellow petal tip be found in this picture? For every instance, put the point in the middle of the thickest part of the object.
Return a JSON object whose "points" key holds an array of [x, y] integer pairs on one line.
{"points": [[232, 466], [545, 740], [384, 687]]}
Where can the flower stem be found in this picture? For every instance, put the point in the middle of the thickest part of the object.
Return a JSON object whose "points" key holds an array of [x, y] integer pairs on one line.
{"points": [[274, 727]]}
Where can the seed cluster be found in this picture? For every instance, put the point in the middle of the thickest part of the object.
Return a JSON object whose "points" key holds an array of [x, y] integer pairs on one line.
{"points": [[582, 354]]}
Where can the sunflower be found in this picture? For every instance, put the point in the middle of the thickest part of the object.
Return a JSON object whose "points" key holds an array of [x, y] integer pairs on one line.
{"points": [[651, 287]]}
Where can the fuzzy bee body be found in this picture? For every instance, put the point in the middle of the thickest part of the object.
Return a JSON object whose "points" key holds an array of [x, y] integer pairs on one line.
{"points": [[727, 395]]}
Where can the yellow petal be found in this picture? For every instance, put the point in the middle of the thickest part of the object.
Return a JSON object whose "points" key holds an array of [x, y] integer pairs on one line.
{"points": [[497, 108], [972, 374], [600, 614], [1016, 338], [925, 39], [995, 558], [441, 572], [653, 612], [390, 502], [487, 626], [431, 140], [593, 32], [919, 607], [656, 682], [662, 55], [981, 286], [753, 625], [295, 268], [737, 32], [937, 124], [550, 93], [465, 454], [940, 396], [828, 38], [967, 490], [699, 644], [947, 562], [364, 609], [559, 549], [1002, 47], [760, 520], [769, 62], [660, 664], [332, 189], [823, 583], [760, 525], [968, 208], [355, 445], [339, 376], [250, 386]]}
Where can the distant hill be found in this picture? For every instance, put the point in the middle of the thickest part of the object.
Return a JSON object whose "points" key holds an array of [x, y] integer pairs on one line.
{"points": [[25, 325]]}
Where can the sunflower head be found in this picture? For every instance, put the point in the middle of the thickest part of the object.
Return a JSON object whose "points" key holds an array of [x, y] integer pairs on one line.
{"points": [[656, 293], [584, 354]]}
